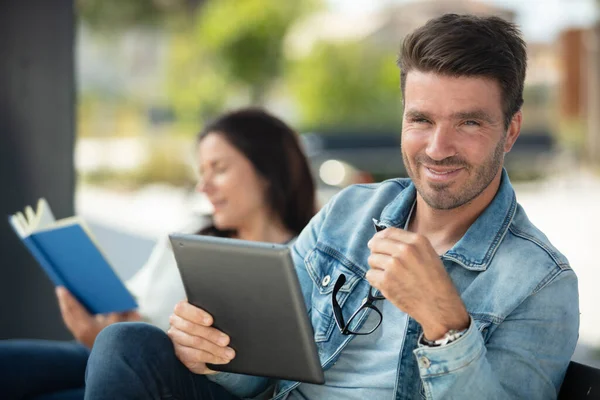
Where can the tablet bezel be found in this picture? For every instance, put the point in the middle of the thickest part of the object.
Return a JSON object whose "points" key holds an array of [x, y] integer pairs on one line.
{"points": [[232, 278]]}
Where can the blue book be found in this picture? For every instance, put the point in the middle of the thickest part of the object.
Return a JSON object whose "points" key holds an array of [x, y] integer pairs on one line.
{"points": [[68, 253]]}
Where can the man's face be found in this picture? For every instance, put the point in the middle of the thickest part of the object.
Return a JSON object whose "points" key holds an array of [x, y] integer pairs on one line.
{"points": [[453, 136]]}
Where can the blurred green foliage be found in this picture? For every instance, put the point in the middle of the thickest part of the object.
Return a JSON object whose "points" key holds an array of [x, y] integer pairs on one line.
{"points": [[230, 53], [118, 15], [167, 161], [166, 164], [345, 85], [572, 135]]}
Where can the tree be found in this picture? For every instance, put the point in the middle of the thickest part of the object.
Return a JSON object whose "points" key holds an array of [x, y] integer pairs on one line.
{"points": [[347, 85], [231, 52], [118, 15]]}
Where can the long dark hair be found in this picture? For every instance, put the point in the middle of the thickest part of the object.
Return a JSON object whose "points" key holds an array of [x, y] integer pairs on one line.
{"points": [[274, 150]]}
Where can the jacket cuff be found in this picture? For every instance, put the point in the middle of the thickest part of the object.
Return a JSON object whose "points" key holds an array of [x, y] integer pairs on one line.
{"points": [[225, 379], [450, 357]]}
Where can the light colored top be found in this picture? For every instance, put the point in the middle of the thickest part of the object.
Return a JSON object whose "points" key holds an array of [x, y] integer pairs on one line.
{"points": [[157, 286], [368, 366]]}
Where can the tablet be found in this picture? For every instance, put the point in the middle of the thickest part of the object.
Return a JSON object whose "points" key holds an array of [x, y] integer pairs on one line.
{"points": [[252, 291]]}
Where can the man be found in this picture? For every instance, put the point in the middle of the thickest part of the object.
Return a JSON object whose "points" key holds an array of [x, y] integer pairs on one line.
{"points": [[475, 301]]}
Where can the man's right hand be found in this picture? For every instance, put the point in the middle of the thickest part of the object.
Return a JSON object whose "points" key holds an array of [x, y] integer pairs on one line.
{"points": [[195, 341]]}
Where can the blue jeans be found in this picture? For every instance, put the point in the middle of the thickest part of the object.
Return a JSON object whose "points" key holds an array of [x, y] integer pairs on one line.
{"points": [[42, 369], [134, 360]]}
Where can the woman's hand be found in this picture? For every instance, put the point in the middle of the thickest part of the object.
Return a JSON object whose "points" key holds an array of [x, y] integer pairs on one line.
{"points": [[83, 325]]}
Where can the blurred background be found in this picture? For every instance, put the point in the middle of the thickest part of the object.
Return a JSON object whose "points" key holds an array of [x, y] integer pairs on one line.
{"points": [[140, 77]]}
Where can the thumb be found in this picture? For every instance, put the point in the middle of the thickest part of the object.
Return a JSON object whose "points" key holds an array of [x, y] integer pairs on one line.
{"points": [[69, 306], [132, 316], [112, 318], [122, 317]]}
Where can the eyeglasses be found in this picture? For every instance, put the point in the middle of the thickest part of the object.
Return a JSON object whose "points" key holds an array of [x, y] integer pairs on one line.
{"points": [[366, 304]]}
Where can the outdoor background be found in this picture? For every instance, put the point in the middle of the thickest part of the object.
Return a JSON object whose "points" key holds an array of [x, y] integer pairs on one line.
{"points": [[150, 73]]}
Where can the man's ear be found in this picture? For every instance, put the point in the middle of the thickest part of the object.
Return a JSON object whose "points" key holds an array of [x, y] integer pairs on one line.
{"points": [[514, 129]]}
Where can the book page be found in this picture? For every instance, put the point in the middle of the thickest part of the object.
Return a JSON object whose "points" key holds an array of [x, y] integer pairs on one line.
{"points": [[44, 215], [75, 221], [30, 215], [60, 223], [44, 220], [16, 224], [87, 230], [71, 221], [23, 223]]}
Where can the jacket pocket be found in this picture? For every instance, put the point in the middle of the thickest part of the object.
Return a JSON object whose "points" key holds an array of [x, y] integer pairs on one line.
{"points": [[483, 325], [324, 269]]}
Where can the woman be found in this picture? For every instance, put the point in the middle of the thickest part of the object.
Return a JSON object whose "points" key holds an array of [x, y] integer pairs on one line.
{"points": [[253, 171]]}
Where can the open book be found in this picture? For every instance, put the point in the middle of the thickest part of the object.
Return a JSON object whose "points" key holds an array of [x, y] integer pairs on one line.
{"points": [[68, 253]]}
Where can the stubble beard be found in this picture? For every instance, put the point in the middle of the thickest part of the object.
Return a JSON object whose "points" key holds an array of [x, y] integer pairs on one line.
{"points": [[441, 196]]}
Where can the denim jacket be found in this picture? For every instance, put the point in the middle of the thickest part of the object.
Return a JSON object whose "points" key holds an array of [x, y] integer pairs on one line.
{"points": [[520, 291]]}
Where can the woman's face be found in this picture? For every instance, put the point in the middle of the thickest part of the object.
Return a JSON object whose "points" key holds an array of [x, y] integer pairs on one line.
{"points": [[231, 183]]}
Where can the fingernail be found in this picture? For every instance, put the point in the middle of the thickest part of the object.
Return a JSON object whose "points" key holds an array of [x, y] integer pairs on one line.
{"points": [[230, 353], [223, 340]]}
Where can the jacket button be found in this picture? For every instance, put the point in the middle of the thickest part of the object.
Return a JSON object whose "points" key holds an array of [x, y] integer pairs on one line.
{"points": [[326, 280], [424, 361]]}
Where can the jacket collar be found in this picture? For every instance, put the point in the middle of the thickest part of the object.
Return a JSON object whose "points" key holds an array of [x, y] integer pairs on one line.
{"points": [[478, 245]]}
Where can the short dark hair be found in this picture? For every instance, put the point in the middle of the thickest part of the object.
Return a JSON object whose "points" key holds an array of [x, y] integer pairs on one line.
{"points": [[274, 150], [468, 45]]}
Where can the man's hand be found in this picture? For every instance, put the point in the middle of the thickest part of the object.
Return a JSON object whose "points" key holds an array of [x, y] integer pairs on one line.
{"points": [[195, 341], [83, 325], [409, 273]]}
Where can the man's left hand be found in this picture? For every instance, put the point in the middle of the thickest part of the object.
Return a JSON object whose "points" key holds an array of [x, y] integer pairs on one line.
{"points": [[406, 269]]}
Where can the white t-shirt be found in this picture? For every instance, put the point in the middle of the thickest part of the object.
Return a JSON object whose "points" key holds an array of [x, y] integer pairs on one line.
{"points": [[157, 286]]}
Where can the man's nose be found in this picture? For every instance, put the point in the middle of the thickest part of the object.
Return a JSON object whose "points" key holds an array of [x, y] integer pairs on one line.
{"points": [[442, 143]]}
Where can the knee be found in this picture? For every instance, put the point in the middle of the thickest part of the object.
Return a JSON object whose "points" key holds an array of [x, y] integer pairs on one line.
{"points": [[130, 339], [128, 358]]}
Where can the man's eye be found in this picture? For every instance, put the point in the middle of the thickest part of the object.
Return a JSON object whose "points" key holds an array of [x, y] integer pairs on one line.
{"points": [[472, 123], [419, 121]]}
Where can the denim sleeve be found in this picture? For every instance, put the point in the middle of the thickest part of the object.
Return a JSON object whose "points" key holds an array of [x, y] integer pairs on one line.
{"points": [[242, 386], [526, 357]]}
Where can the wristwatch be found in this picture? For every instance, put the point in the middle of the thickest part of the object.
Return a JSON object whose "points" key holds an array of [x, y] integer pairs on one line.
{"points": [[449, 337]]}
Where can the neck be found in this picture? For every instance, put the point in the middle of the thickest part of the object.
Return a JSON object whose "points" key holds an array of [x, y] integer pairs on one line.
{"points": [[444, 228], [264, 230]]}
